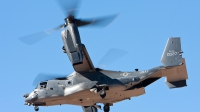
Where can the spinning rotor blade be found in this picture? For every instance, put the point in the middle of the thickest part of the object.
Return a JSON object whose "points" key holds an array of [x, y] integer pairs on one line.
{"points": [[111, 56], [33, 38], [101, 21], [44, 77], [69, 7]]}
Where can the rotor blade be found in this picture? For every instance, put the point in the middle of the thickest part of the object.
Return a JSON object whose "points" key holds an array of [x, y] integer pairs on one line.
{"points": [[111, 56], [44, 77], [101, 21], [33, 38], [69, 7]]}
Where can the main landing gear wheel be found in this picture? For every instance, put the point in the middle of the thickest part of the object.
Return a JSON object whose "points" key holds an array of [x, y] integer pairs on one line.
{"points": [[106, 108], [36, 108], [102, 93]]}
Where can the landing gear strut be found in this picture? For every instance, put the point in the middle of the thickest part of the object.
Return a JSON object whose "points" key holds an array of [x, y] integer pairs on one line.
{"points": [[106, 108], [36, 108]]}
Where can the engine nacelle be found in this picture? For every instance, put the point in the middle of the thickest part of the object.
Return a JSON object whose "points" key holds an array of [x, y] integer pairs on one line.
{"points": [[72, 47]]}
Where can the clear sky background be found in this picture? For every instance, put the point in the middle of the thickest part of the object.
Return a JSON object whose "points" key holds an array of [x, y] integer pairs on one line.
{"points": [[142, 29]]}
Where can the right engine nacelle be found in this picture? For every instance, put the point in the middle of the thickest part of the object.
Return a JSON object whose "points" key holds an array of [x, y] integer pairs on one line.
{"points": [[72, 47]]}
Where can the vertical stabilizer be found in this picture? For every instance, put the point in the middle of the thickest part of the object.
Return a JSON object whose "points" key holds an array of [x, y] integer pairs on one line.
{"points": [[172, 55]]}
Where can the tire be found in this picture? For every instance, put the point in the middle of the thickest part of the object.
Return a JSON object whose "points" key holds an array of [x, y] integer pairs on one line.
{"points": [[36, 108], [106, 108], [103, 93]]}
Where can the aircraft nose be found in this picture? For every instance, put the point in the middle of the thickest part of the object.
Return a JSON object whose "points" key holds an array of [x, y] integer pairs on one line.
{"points": [[28, 99], [31, 98]]}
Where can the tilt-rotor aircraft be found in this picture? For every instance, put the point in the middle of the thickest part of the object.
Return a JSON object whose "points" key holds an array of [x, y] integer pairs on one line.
{"points": [[88, 86]]}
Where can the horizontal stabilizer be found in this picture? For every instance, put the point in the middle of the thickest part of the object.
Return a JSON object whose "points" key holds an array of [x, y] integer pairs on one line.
{"points": [[176, 76]]}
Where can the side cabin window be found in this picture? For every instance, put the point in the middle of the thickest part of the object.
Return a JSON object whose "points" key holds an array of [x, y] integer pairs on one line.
{"points": [[69, 82], [43, 85]]}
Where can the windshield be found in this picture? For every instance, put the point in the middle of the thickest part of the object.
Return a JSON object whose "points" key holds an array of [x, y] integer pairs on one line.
{"points": [[41, 85]]}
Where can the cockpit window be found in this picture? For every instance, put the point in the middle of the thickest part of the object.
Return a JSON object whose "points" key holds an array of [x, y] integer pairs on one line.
{"points": [[43, 85]]}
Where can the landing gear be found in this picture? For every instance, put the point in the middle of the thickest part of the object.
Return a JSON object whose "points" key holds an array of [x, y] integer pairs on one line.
{"points": [[106, 108], [36, 108], [102, 93], [101, 89]]}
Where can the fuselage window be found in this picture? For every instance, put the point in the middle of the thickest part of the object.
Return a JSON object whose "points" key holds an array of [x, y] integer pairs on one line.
{"points": [[69, 82], [43, 85]]}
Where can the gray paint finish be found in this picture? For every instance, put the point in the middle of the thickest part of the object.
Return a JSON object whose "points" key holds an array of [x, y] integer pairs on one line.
{"points": [[88, 85], [172, 55]]}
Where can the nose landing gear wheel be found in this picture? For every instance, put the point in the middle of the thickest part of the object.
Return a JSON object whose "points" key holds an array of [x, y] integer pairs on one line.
{"points": [[106, 108], [36, 108]]}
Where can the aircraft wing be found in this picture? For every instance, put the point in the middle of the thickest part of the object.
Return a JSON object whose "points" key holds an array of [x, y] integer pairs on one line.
{"points": [[86, 65]]}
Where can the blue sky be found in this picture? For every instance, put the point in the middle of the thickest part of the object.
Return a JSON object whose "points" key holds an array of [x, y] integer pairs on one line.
{"points": [[142, 29]]}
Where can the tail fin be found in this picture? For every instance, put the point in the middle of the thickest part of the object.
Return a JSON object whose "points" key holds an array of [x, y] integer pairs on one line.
{"points": [[172, 55], [176, 75]]}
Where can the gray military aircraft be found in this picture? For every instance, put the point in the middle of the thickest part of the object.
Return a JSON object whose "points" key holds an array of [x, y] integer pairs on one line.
{"points": [[87, 86]]}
